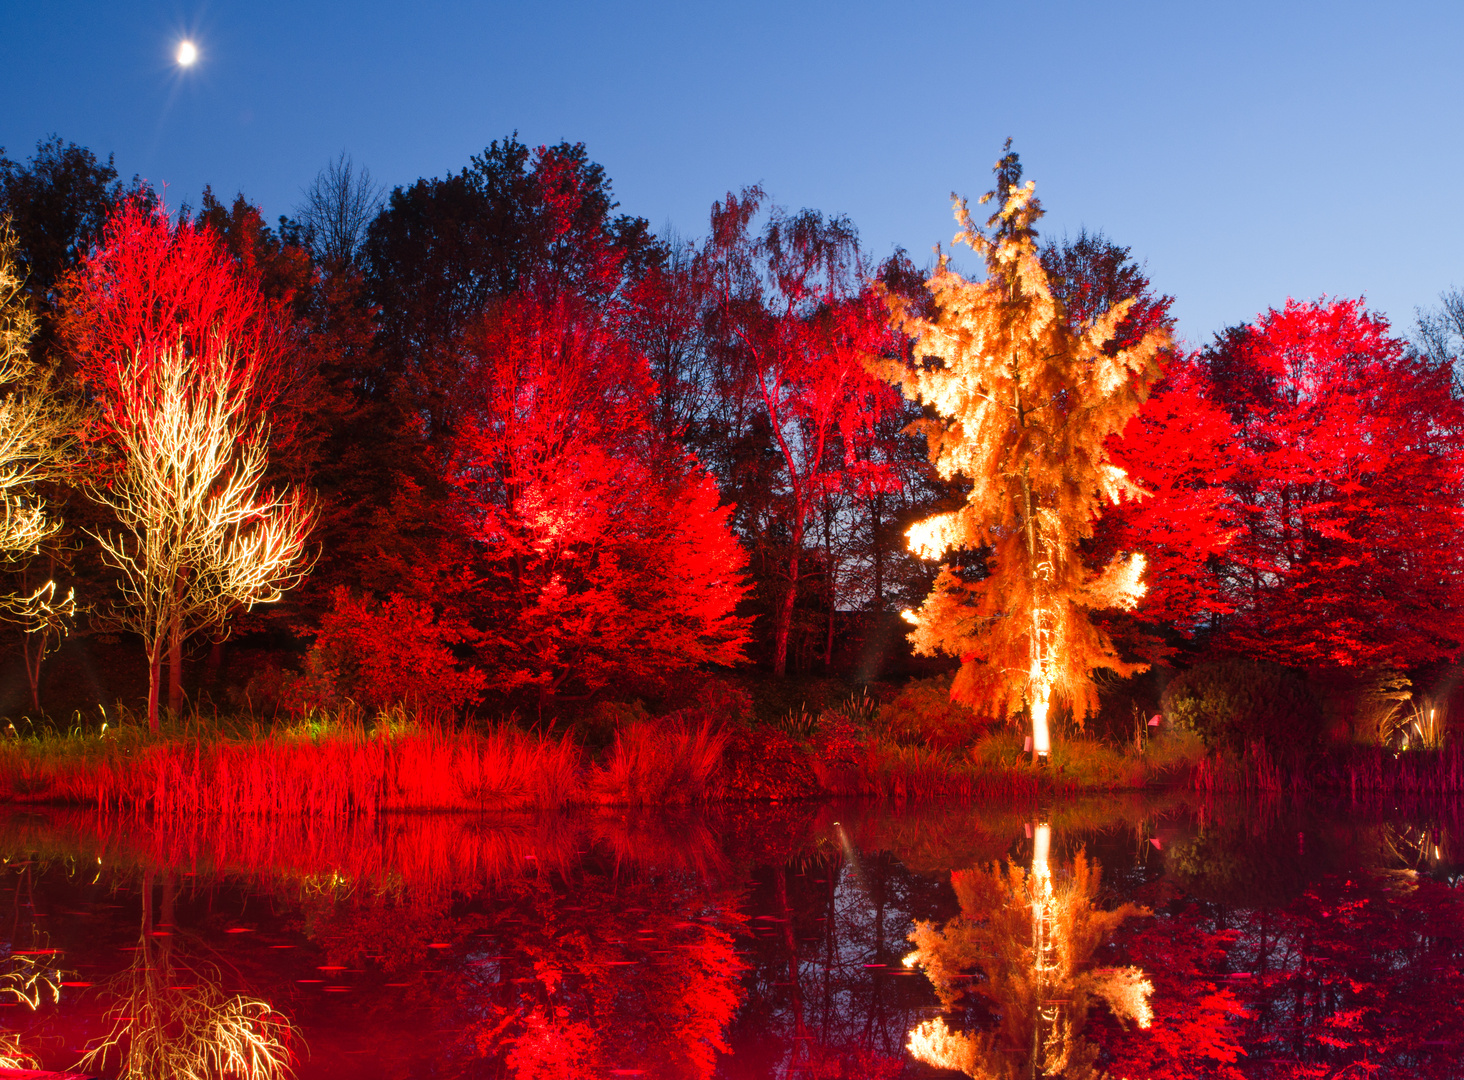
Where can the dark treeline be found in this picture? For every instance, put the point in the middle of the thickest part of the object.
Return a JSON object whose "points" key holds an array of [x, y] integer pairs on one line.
{"points": [[553, 458]]}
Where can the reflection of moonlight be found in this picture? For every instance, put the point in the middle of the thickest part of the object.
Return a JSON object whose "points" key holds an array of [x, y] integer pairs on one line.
{"points": [[187, 54]]}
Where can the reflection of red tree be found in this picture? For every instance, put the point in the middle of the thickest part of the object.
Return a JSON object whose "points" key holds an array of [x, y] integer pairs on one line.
{"points": [[1195, 1029], [637, 975]]}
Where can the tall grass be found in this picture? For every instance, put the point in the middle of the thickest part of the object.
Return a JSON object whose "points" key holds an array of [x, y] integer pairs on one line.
{"points": [[341, 769], [651, 763], [1357, 771], [997, 767]]}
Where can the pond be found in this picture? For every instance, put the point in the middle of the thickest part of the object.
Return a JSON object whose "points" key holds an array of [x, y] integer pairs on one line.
{"points": [[1139, 937]]}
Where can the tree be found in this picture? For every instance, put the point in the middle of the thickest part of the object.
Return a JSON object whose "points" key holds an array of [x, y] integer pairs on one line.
{"points": [[57, 203], [1438, 334], [604, 556], [1349, 475], [540, 222], [1024, 407], [339, 205], [36, 439], [182, 358], [798, 321], [1177, 449]]}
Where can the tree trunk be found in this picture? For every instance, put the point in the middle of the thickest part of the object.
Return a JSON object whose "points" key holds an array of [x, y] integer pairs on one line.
{"points": [[175, 667], [154, 681], [35, 652], [878, 545], [785, 615], [215, 662]]}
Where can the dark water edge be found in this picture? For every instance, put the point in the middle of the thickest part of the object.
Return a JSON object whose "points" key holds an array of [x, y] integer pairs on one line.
{"points": [[1287, 938]]}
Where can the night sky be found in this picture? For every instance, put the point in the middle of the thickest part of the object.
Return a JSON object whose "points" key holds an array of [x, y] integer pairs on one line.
{"points": [[1245, 151]]}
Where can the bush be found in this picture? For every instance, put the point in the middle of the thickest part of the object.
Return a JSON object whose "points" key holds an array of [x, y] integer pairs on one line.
{"points": [[923, 714], [380, 655], [1232, 703]]}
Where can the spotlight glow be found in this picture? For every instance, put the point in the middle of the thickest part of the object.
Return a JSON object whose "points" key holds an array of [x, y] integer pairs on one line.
{"points": [[187, 54]]}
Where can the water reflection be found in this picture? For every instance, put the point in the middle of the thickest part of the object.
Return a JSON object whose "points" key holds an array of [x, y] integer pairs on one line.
{"points": [[1032, 938], [169, 1016], [1279, 941]]}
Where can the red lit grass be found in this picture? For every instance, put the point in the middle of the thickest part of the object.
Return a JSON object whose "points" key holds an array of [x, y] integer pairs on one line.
{"points": [[338, 770], [432, 853], [1356, 770]]}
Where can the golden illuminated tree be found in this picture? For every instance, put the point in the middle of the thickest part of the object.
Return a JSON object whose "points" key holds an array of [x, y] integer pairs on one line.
{"points": [[181, 356], [35, 437], [1024, 405]]}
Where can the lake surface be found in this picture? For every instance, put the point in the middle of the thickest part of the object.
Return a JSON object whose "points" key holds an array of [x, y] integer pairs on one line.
{"points": [[1269, 940]]}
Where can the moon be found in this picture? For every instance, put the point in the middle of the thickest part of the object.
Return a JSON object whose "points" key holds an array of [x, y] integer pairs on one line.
{"points": [[187, 54]]}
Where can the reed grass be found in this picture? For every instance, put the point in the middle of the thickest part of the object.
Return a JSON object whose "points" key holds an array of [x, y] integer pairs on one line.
{"points": [[331, 769], [657, 764], [1355, 770]]}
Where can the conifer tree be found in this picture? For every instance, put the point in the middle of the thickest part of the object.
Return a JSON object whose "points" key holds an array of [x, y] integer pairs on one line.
{"points": [[1023, 404]]}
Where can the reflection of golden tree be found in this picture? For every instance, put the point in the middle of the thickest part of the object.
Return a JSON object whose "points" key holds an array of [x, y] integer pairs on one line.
{"points": [[172, 1020], [1033, 938]]}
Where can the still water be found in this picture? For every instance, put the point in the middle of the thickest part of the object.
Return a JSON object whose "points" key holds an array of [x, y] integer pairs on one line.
{"points": [[1135, 937]]}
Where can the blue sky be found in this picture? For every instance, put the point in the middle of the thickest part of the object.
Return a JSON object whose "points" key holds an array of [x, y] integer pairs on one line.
{"points": [[1246, 152]]}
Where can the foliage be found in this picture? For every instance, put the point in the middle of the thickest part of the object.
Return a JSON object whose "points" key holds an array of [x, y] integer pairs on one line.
{"points": [[58, 202], [183, 359], [924, 712], [1178, 450], [1349, 461], [797, 322], [604, 555], [1024, 408], [378, 655], [1234, 702], [442, 251], [37, 437]]}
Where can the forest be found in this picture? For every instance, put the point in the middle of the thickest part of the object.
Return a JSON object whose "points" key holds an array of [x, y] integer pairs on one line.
{"points": [[485, 447]]}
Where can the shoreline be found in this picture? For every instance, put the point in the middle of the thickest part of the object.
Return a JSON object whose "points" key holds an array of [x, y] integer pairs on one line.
{"points": [[415, 767]]}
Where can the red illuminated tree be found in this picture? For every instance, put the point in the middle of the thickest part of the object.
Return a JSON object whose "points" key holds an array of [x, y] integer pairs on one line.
{"points": [[798, 321], [1176, 450], [605, 557], [1349, 470], [182, 357]]}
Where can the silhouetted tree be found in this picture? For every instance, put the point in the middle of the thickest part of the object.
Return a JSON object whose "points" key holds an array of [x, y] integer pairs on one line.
{"points": [[796, 321], [338, 206]]}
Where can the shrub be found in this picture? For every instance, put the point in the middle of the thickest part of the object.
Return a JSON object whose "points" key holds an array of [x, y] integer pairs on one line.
{"points": [[380, 655], [923, 714], [1233, 703]]}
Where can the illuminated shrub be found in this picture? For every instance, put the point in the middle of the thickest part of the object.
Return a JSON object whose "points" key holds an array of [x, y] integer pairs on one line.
{"points": [[383, 654], [1234, 702], [924, 714]]}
